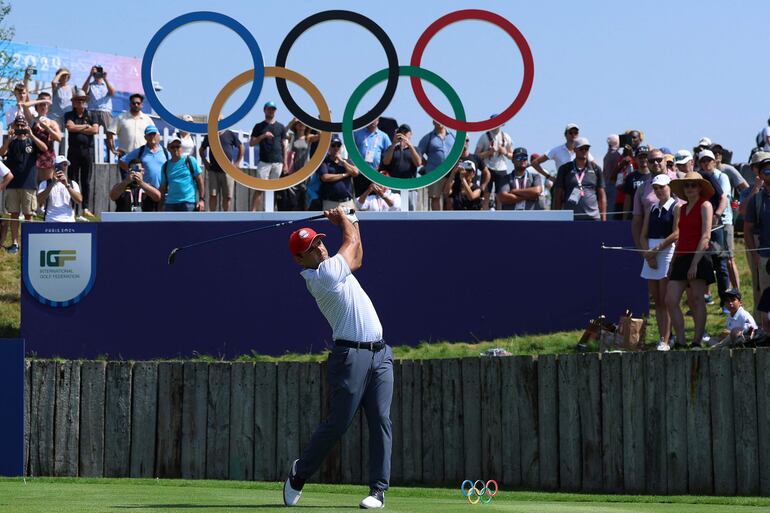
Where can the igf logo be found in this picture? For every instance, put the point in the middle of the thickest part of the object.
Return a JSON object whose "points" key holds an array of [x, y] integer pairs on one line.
{"points": [[57, 257]]}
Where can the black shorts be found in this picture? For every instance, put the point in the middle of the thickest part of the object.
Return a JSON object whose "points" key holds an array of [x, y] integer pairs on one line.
{"points": [[681, 265]]}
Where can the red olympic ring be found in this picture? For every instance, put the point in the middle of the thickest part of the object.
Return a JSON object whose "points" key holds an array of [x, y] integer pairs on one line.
{"points": [[526, 83]]}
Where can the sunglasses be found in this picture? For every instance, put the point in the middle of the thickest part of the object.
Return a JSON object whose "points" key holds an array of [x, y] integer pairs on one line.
{"points": [[583, 148], [573, 132], [336, 145], [669, 163], [656, 160]]}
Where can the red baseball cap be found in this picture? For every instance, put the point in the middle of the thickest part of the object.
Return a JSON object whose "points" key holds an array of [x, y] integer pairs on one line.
{"points": [[301, 240]]}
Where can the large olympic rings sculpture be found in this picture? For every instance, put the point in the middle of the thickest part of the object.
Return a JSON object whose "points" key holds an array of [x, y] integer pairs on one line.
{"points": [[479, 491], [323, 123]]}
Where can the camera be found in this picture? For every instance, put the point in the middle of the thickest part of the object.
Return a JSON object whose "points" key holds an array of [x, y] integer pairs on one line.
{"points": [[136, 168], [99, 71], [32, 70], [22, 131]]}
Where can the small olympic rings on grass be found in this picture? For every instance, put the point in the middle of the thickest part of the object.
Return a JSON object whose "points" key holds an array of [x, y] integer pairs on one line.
{"points": [[478, 491]]}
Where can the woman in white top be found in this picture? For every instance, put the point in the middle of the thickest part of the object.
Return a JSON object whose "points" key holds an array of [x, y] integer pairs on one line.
{"points": [[57, 194], [61, 96], [660, 231], [189, 144]]}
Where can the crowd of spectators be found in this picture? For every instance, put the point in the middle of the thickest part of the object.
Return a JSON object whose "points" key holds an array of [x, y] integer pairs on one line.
{"points": [[682, 205]]}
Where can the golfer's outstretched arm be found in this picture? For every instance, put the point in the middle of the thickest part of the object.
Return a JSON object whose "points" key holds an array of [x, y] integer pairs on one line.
{"points": [[350, 249]]}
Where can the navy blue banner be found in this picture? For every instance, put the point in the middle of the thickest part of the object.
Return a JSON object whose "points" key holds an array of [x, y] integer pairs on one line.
{"points": [[448, 280], [11, 407]]}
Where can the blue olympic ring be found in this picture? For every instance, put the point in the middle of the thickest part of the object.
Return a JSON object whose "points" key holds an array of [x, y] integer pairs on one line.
{"points": [[215, 17], [482, 494]]}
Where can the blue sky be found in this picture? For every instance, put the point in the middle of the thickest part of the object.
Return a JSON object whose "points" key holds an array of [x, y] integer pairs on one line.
{"points": [[676, 70]]}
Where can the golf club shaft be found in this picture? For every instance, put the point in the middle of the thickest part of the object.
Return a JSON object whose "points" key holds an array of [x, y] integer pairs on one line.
{"points": [[252, 230]]}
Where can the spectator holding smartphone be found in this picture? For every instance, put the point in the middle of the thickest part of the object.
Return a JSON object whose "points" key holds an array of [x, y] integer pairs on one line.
{"points": [[58, 193], [100, 93], [133, 194]]}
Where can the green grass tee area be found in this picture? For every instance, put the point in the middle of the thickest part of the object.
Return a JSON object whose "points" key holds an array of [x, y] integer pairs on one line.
{"points": [[68, 495]]}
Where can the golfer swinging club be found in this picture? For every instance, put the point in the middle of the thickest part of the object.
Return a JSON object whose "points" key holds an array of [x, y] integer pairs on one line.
{"points": [[360, 365]]}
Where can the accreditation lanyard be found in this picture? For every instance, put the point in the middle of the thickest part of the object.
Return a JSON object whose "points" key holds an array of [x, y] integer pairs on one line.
{"points": [[523, 182], [579, 177]]}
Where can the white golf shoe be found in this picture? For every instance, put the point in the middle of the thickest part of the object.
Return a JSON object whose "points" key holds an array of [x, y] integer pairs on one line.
{"points": [[292, 488], [375, 500]]}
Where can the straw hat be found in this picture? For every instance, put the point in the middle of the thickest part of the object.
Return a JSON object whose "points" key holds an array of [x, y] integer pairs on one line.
{"points": [[706, 189]]}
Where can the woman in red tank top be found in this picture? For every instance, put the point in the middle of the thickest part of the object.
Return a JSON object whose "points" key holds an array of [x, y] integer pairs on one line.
{"points": [[691, 266]]}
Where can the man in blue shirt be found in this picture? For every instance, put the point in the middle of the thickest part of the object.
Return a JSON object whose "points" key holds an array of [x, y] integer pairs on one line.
{"points": [[152, 155], [336, 175], [179, 179], [434, 148], [371, 143]]}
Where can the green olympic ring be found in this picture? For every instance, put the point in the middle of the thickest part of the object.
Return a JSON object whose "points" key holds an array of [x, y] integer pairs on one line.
{"points": [[389, 181]]}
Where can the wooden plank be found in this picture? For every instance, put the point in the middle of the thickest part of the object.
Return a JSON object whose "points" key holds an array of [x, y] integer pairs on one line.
{"points": [[117, 420], [287, 441], [452, 419], [67, 419], [41, 444], [471, 375], [746, 426], [265, 390], [242, 422], [699, 461], [655, 434], [218, 421], [548, 434], [194, 415], [570, 463], [525, 383], [144, 419], [612, 422], [491, 418], [511, 439], [722, 425], [677, 384], [92, 390], [27, 416], [432, 435], [310, 395], [590, 410], [169, 448], [411, 391], [397, 455], [632, 370], [763, 417]]}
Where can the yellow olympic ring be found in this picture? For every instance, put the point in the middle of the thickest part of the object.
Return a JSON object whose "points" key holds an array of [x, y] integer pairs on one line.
{"points": [[254, 182], [477, 494]]}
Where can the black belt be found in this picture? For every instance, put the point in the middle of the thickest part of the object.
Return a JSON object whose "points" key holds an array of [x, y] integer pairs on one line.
{"points": [[371, 346]]}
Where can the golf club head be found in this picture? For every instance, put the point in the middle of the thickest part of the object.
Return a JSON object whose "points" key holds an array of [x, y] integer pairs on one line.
{"points": [[172, 256]]}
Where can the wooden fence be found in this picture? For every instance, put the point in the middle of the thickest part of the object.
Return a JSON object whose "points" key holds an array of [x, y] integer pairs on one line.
{"points": [[664, 423]]}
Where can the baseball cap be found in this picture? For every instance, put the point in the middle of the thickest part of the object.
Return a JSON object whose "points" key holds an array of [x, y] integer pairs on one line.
{"points": [[661, 179], [643, 149], [682, 157], [174, 140], [570, 126], [706, 154], [301, 240], [270, 104], [580, 142], [468, 164], [520, 152], [404, 128], [666, 150], [60, 159], [759, 157], [188, 117], [733, 293], [705, 141], [151, 129]]}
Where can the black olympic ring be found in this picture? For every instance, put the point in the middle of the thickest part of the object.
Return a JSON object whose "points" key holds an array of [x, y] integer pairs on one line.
{"points": [[358, 19]]}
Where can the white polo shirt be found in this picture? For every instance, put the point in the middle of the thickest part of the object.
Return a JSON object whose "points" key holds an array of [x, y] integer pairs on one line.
{"points": [[343, 302], [130, 130], [58, 208]]}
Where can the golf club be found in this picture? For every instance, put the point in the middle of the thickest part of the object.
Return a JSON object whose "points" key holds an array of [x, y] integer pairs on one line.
{"points": [[175, 251]]}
